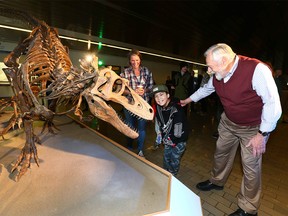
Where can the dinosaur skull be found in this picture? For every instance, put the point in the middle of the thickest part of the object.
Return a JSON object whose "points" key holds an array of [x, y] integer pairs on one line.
{"points": [[108, 86]]}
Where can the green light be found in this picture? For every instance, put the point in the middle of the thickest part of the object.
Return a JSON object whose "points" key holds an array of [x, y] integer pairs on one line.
{"points": [[100, 35], [100, 62], [99, 45]]}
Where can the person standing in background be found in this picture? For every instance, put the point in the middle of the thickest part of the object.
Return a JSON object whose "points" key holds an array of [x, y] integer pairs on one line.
{"points": [[193, 86], [141, 81], [181, 81], [196, 81], [252, 108], [169, 84]]}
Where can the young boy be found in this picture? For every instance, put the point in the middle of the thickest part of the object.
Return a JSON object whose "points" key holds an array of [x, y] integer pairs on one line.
{"points": [[171, 119]]}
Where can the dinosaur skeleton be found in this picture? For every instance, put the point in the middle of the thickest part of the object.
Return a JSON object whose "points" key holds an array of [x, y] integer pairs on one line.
{"points": [[48, 60]]}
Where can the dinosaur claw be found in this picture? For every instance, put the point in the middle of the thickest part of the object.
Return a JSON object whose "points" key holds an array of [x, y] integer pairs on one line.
{"points": [[13, 169]]}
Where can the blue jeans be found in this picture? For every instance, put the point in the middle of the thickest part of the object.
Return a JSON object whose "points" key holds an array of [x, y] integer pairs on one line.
{"points": [[141, 127], [172, 157]]}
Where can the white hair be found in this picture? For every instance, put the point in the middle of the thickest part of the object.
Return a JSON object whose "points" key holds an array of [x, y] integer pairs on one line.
{"points": [[220, 50]]}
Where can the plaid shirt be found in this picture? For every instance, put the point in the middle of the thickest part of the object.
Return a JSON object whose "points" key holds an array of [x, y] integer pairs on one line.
{"points": [[146, 80]]}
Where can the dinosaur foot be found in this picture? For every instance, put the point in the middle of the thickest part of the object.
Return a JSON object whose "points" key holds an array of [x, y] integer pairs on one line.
{"points": [[23, 163]]}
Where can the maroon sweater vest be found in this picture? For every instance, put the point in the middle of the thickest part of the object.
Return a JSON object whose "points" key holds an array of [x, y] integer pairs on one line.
{"points": [[241, 103]]}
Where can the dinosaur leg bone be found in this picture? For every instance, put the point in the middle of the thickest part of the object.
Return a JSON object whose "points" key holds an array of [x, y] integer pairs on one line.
{"points": [[29, 151]]}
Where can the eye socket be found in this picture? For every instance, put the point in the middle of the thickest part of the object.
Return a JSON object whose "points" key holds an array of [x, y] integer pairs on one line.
{"points": [[117, 86]]}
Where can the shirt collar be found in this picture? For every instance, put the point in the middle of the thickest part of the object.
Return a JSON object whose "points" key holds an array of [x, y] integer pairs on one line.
{"points": [[232, 70]]}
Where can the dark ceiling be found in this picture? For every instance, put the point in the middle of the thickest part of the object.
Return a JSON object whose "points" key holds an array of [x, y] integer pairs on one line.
{"points": [[183, 28]]}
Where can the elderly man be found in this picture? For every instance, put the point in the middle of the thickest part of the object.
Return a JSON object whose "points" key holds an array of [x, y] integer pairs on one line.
{"points": [[252, 108]]}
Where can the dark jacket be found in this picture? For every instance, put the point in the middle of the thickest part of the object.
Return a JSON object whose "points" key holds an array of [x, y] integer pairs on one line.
{"points": [[172, 123], [181, 83]]}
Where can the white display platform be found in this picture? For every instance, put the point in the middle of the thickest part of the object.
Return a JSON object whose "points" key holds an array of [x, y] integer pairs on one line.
{"points": [[83, 173]]}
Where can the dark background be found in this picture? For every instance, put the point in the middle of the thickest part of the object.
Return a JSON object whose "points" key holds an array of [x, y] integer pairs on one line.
{"points": [[183, 28]]}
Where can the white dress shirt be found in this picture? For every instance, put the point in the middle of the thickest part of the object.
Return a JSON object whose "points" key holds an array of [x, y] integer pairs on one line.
{"points": [[264, 85]]}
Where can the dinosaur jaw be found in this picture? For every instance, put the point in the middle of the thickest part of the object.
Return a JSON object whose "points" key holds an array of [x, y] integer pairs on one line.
{"points": [[100, 109]]}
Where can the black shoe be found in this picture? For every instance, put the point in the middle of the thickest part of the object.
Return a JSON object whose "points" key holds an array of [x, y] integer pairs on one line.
{"points": [[241, 212], [207, 186]]}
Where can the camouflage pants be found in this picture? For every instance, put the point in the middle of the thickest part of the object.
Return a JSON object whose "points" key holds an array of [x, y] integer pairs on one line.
{"points": [[172, 157]]}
